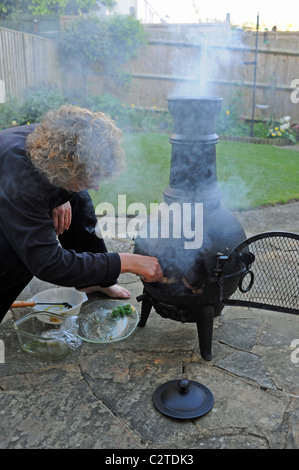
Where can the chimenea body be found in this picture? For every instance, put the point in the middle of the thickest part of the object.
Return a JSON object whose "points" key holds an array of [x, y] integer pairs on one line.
{"points": [[189, 291]]}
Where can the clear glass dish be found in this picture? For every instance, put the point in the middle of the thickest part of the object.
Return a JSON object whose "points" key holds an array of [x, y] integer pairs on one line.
{"points": [[36, 333], [96, 323]]}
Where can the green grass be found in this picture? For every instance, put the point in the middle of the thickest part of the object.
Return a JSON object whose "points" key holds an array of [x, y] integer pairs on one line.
{"points": [[252, 175], [249, 175]]}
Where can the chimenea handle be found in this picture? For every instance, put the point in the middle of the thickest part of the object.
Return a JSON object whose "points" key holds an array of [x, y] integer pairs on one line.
{"points": [[251, 281], [247, 258]]}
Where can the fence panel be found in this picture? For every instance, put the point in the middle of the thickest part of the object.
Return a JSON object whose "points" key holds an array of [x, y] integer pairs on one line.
{"points": [[171, 65], [164, 67], [26, 60]]}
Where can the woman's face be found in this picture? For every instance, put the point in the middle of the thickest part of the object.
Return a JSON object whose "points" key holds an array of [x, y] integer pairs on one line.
{"points": [[78, 186]]}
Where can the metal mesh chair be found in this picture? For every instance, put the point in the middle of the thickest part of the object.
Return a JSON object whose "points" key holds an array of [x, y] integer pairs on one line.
{"points": [[269, 276]]}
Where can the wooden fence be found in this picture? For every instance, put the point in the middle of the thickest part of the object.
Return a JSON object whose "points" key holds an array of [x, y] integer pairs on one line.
{"points": [[187, 60], [219, 64], [166, 67], [26, 60]]}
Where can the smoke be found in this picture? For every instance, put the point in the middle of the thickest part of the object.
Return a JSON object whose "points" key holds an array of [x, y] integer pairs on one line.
{"points": [[208, 67], [207, 61], [235, 192]]}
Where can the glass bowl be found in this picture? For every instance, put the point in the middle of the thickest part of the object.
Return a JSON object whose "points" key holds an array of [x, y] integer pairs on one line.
{"points": [[97, 324], [36, 333]]}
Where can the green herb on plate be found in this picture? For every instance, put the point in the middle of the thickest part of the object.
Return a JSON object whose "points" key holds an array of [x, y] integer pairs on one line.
{"points": [[122, 311]]}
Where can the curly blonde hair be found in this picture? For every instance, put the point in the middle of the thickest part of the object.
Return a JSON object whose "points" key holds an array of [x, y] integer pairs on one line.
{"points": [[75, 144]]}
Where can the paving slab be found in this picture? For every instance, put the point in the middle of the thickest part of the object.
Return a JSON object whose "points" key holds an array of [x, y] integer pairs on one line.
{"points": [[100, 396]]}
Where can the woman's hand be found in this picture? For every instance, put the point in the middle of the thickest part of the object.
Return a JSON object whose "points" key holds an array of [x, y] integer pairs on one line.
{"points": [[62, 217], [147, 267]]}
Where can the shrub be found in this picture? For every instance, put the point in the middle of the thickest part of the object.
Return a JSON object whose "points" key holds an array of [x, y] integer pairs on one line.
{"points": [[282, 129], [40, 99], [104, 44], [129, 117], [295, 129], [229, 121], [260, 130], [37, 101]]}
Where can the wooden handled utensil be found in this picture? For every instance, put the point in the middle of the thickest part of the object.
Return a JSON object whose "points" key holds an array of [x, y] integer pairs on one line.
{"points": [[29, 303]]}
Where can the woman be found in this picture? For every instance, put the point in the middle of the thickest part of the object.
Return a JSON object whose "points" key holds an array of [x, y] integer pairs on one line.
{"points": [[47, 219]]}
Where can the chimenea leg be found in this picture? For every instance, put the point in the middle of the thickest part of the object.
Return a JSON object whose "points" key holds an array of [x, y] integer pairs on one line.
{"points": [[146, 307], [205, 331]]}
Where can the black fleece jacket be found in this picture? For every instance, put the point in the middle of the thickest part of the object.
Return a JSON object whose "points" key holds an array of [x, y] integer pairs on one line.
{"points": [[27, 199]]}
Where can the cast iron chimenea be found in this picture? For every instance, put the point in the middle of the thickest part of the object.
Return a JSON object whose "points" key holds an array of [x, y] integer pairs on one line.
{"points": [[189, 291]]}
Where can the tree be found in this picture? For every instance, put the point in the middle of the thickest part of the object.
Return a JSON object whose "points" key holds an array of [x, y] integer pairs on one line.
{"points": [[14, 8], [104, 44]]}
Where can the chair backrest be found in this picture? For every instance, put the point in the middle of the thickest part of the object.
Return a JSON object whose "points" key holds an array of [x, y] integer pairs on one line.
{"points": [[269, 276]]}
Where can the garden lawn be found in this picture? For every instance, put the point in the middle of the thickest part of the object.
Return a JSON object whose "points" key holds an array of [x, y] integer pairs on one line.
{"points": [[249, 175]]}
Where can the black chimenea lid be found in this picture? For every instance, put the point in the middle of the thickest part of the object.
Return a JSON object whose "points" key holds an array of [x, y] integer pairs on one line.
{"points": [[183, 399]]}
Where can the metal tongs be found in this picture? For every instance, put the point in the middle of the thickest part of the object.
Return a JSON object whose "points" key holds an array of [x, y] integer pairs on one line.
{"points": [[29, 303]]}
